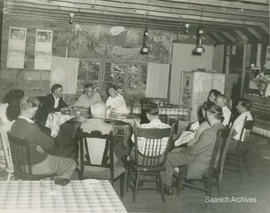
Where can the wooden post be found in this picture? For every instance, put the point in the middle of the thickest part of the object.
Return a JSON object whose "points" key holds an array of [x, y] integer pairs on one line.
{"points": [[243, 69]]}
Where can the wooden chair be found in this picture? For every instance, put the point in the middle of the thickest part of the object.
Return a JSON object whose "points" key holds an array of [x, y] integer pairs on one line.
{"points": [[7, 152], [97, 158], [145, 103], [21, 158], [149, 159], [214, 174], [236, 157]]}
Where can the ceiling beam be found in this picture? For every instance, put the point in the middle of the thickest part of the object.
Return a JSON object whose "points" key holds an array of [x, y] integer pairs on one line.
{"points": [[127, 21], [229, 36], [253, 32], [136, 13], [241, 35], [228, 4], [217, 37]]}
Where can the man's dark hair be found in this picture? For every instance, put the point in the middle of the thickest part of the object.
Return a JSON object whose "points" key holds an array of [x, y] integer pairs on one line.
{"points": [[55, 87], [152, 109], [246, 103]]}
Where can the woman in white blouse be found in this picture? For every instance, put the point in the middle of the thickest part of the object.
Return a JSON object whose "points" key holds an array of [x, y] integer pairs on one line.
{"points": [[116, 102]]}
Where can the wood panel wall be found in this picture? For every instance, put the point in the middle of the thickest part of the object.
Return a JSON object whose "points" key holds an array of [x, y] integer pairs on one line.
{"points": [[87, 42]]}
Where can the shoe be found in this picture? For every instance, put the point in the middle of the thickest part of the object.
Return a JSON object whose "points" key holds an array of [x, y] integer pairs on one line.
{"points": [[61, 181], [168, 190]]}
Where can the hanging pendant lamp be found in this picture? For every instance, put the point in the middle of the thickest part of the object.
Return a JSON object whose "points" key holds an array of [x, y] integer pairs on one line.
{"points": [[145, 49]]}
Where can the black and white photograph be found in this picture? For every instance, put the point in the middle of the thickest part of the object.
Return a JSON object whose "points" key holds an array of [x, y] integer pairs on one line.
{"points": [[135, 106]]}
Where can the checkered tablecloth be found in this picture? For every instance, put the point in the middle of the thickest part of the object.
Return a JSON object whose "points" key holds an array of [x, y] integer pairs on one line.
{"points": [[91, 196], [166, 111]]}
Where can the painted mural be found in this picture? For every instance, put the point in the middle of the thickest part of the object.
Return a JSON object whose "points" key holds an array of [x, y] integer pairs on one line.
{"points": [[95, 41]]}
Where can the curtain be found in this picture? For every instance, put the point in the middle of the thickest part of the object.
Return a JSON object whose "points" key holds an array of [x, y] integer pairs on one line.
{"points": [[157, 80], [65, 72]]}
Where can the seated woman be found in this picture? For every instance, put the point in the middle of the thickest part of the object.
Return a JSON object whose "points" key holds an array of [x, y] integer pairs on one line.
{"points": [[116, 102], [243, 108], [8, 109], [221, 101], [88, 97]]}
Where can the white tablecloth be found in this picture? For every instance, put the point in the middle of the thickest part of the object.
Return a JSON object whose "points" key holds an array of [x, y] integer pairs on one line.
{"points": [[54, 121], [91, 196]]}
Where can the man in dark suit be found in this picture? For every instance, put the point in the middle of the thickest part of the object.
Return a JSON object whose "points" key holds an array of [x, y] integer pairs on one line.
{"points": [[198, 156], [53, 102]]}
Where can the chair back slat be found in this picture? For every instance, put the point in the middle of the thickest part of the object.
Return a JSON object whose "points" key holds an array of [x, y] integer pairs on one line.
{"points": [[94, 153], [151, 146], [20, 154], [216, 156], [247, 127]]}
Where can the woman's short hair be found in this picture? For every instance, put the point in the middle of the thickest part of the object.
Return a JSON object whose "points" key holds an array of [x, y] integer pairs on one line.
{"points": [[215, 92], [246, 103], [216, 111], [113, 87], [55, 87], [13, 95], [88, 85], [152, 109]]}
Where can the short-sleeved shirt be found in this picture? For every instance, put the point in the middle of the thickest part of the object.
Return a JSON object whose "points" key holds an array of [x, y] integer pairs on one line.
{"points": [[227, 115], [239, 124], [141, 141], [117, 104], [85, 101]]}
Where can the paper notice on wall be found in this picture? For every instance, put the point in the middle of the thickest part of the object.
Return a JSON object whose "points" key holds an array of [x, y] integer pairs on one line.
{"points": [[43, 50], [65, 72], [16, 47]]}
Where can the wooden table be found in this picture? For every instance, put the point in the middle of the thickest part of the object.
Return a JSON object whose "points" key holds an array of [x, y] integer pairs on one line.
{"points": [[89, 196], [54, 120]]}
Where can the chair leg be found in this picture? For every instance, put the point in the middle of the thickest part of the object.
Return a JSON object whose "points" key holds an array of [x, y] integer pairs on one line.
{"points": [[136, 186], [240, 165], [122, 184], [246, 164], [127, 174], [161, 188], [208, 188], [9, 176]]}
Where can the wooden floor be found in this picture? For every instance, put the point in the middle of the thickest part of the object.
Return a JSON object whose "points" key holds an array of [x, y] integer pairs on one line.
{"points": [[191, 201]]}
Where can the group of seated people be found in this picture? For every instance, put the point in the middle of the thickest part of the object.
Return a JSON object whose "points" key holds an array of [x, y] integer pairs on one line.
{"points": [[24, 117], [55, 102], [17, 113]]}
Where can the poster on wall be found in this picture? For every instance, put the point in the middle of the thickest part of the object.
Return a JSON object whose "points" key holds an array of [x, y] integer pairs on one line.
{"points": [[16, 47], [43, 50]]}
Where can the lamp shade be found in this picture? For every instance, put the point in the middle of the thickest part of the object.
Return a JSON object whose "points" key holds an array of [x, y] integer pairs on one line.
{"points": [[199, 49], [144, 50]]}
